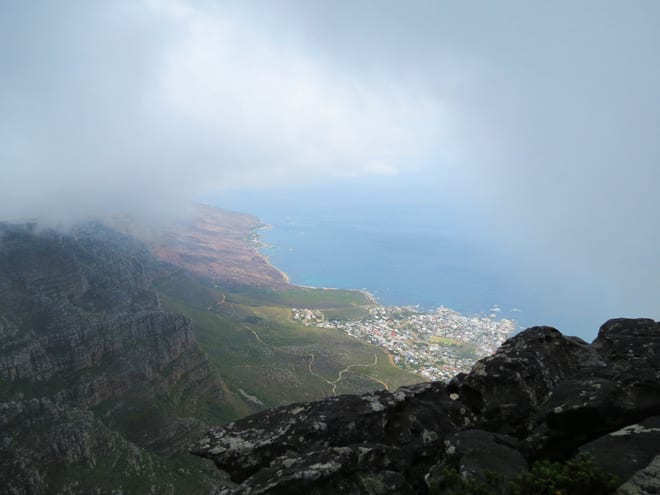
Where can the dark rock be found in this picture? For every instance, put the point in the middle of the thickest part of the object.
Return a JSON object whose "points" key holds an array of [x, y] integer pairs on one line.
{"points": [[477, 454], [504, 389], [626, 344], [598, 399], [541, 395], [408, 419], [357, 469], [626, 451], [644, 482]]}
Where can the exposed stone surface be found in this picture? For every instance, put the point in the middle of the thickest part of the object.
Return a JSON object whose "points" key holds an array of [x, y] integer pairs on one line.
{"points": [[541, 395], [476, 453], [92, 371], [645, 481], [627, 450]]}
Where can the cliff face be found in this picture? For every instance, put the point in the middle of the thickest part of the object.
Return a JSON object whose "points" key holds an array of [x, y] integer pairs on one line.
{"points": [[91, 369], [543, 395], [70, 305]]}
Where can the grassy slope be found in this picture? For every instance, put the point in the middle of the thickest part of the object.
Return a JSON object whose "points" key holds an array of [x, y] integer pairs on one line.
{"points": [[137, 472], [250, 337]]}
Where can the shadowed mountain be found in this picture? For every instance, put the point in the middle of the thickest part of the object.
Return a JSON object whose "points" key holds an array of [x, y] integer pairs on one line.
{"points": [[99, 386]]}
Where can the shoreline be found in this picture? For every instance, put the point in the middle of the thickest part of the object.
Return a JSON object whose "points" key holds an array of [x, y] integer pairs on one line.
{"points": [[368, 295], [254, 240], [286, 278], [259, 245]]}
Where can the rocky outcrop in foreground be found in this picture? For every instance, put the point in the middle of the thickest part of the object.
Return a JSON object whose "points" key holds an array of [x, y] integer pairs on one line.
{"points": [[543, 395]]}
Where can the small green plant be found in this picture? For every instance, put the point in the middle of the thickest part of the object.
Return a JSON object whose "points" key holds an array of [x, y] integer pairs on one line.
{"points": [[577, 476], [454, 484]]}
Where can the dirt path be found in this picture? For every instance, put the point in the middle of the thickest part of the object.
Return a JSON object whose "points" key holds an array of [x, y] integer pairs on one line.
{"points": [[314, 373], [256, 336], [340, 375], [385, 385]]}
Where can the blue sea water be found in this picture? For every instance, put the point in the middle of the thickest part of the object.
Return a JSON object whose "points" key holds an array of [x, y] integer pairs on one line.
{"points": [[411, 250], [402, 265]]}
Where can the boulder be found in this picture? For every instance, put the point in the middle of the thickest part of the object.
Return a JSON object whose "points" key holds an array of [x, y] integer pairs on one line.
{"points": [[477, 455], [644, 482], [625, 451]]}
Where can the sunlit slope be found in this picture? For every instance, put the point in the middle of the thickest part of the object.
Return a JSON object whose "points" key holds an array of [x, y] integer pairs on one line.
{"points": [[268, 358]]}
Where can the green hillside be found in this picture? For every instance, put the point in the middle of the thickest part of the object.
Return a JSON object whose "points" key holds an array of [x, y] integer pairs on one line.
{"points": [[268, 358]]}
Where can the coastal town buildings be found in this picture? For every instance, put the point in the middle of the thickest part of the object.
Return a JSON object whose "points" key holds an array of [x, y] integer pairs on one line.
{"points": [[435, 344]]}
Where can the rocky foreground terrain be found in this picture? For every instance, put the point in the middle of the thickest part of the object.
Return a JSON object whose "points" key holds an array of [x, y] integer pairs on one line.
{"points": [[543, 395]]}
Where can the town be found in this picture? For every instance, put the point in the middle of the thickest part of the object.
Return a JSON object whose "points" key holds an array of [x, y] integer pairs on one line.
{"points": [[435, 344]]}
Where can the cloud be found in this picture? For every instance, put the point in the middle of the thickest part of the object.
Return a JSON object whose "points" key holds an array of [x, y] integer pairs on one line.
{"points": [[132, 105]]}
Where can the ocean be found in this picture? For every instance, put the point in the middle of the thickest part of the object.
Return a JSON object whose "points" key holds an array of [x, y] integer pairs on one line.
{"points": [[399, 264], [412, 250]]}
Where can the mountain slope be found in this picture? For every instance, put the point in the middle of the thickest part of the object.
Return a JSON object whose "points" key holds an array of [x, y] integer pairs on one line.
{"points": [[92, 369]]}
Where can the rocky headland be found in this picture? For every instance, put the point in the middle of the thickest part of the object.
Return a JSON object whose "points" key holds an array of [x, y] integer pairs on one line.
{"points": [[542, 395], [219, 245]]}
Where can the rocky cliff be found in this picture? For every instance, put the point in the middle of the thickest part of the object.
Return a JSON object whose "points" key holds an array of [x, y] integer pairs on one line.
{"points": [[98, 386], [543, 395]]}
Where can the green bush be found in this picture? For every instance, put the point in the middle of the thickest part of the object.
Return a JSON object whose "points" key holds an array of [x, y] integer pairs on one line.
{"points": [[577, 476]]}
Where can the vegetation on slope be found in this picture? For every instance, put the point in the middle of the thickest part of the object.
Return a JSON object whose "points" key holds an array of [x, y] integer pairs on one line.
{"points": [[577, 476], [249, 335]]}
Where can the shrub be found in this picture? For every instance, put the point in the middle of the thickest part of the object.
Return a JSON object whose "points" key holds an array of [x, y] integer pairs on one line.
{"points": [[577, 476]]}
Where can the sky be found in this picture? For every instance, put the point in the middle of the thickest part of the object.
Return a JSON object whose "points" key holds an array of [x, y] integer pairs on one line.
{"points": [[537, 121]]}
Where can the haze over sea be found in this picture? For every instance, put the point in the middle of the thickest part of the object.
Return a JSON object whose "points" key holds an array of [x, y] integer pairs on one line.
{"points": [[404, 248]]}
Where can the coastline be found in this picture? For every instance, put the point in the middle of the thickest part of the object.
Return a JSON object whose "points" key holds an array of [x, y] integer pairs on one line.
{"points": [[257, 244], [255, 239], [286, 278], [371, 299], [368, 295]]}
